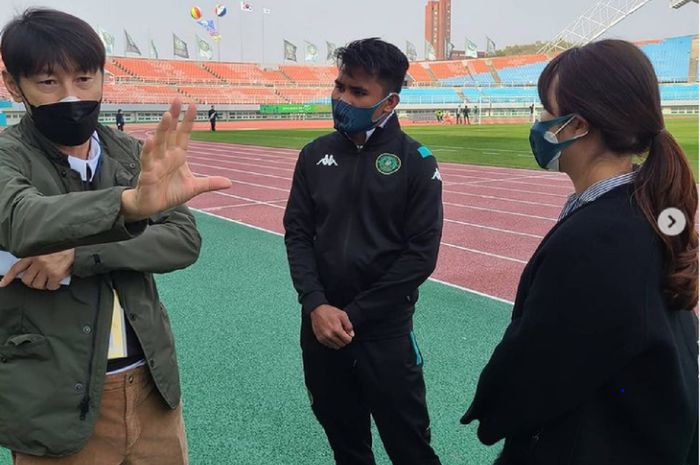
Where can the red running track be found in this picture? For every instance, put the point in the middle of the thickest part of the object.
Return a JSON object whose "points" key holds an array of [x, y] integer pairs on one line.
{"points": [[494, 217]]}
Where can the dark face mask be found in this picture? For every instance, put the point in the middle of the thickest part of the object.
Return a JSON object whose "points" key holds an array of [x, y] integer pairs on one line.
{"points": [[68, 123]]}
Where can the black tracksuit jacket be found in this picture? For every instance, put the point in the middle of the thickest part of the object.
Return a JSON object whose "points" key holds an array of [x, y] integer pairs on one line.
{"points": [[363, 227]]}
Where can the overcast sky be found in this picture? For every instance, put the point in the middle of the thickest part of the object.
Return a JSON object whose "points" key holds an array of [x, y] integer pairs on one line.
{"points": [[507, 22]]}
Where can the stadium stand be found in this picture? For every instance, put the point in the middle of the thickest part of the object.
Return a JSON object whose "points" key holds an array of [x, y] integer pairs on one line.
{"points": [[433, 95], [508, 79], [448, 69], [246, 73], [305, 94], [670, 57], [674, 92], [419, 74], [309, 75]]}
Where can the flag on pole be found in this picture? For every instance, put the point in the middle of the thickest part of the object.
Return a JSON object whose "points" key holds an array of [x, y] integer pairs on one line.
{"points": [[411, 52], [290, 51], [470, 49], [490, 46], [131, 46], [266, 11], [311, 52], [180, 47], [449, 46], [429, 51], [154, 51], [205, 50], [331, 51], [107, 40], [210, 27], [247, 7]]}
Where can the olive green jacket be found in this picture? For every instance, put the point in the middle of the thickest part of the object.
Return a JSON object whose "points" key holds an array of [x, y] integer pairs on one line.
{"points": [[53, 344]]}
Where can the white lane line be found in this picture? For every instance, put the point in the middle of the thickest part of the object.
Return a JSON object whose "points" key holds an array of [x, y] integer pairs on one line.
{"points": [[269, 231]]}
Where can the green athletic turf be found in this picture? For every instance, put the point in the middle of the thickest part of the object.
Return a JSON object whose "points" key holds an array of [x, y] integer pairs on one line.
{"points": [[493, 145], [236, 323]]}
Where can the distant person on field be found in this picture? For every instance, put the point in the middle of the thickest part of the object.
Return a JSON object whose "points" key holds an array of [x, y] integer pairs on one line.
{"points": [[120, 120], [458, 113], [466, 114], [599, 364], [213, 116]]}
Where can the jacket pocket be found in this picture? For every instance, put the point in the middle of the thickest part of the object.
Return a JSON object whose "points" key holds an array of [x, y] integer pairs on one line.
{"points": [[21, 346]]}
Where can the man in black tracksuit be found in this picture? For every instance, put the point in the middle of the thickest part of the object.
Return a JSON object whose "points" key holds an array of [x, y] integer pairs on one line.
{"points": [[363, 226]]}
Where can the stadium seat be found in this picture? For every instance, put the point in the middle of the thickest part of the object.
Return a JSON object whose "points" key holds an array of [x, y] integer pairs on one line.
{"points": [[670, 57]]}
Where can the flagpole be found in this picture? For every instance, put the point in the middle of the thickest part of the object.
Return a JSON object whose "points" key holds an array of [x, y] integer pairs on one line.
{"points": [[263, 37], [218, 42], [240, 30]]}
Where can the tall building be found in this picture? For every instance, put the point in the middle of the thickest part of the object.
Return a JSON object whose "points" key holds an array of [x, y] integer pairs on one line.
{"points": [[438, 28]]}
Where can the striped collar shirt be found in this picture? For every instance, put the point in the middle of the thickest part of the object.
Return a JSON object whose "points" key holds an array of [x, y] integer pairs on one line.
{"points": [[593, 192]]}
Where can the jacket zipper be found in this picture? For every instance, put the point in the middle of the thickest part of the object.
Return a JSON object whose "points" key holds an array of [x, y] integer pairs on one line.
{"points": [[85, 402], [348, 229]]}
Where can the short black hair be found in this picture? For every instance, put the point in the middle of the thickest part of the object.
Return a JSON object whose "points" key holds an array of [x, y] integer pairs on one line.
{"points": [[377, 58], [42, 39]]}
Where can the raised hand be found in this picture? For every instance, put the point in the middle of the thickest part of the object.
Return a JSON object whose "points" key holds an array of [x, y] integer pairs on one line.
{"points": [[165, 180]]}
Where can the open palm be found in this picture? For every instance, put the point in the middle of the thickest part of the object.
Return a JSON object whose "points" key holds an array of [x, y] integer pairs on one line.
{"points": [[165, 180]]}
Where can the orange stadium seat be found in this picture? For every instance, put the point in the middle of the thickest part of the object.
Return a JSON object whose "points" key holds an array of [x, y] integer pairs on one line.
{"points": [[133, 93], [310, 74], [245, 73], [232, 95], [477, 66], [190, 71], [419, 74], [519, 60], [448, 69], [304, 94], [141, 68]]}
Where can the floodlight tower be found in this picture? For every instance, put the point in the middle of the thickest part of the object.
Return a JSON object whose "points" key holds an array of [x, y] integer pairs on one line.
{"points": [[679, 3], [600, 17]]}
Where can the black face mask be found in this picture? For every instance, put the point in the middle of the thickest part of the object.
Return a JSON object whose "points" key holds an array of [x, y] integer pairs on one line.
{"points": [[67, 123]]}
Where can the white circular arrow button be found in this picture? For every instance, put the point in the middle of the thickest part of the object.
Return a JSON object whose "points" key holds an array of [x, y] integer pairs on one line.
{"points": [[671, 221]]}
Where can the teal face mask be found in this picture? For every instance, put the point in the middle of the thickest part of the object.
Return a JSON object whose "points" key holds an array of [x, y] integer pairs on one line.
{"points": [[351, 120], [545, 145]]}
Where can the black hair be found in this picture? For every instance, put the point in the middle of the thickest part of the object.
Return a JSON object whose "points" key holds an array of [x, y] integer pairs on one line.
{"points": [[42, 40], [377, 58]]}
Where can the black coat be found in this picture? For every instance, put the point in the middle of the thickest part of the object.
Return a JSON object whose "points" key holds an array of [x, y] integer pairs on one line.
{"points": [[594, 368]]}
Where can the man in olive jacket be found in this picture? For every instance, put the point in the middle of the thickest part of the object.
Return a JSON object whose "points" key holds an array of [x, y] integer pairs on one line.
{"points": [[87, 214]]}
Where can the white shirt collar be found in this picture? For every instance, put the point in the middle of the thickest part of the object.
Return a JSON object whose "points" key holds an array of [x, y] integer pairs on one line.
{"points": [[380, 125], [80, 165]]}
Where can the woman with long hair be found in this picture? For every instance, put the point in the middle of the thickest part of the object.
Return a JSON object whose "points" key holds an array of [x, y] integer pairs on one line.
{"points": [[598, 365]]}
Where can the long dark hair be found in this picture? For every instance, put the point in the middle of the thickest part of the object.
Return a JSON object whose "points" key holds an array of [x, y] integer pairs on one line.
{"points": [[612, 84]]}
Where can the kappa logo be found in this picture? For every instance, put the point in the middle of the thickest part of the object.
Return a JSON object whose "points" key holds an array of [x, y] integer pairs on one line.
{"points": [[327, 160], [437, 175]]}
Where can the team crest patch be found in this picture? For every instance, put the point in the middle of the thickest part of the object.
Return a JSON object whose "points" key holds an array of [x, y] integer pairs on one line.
{"points": [[388, 163]]}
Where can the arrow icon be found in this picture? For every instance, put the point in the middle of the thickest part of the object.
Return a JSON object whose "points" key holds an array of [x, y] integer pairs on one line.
{"points": [[671, 221]]}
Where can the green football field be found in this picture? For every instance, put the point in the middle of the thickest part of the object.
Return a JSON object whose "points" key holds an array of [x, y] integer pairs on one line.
{"points": [[496, 145], [236, 323]]}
